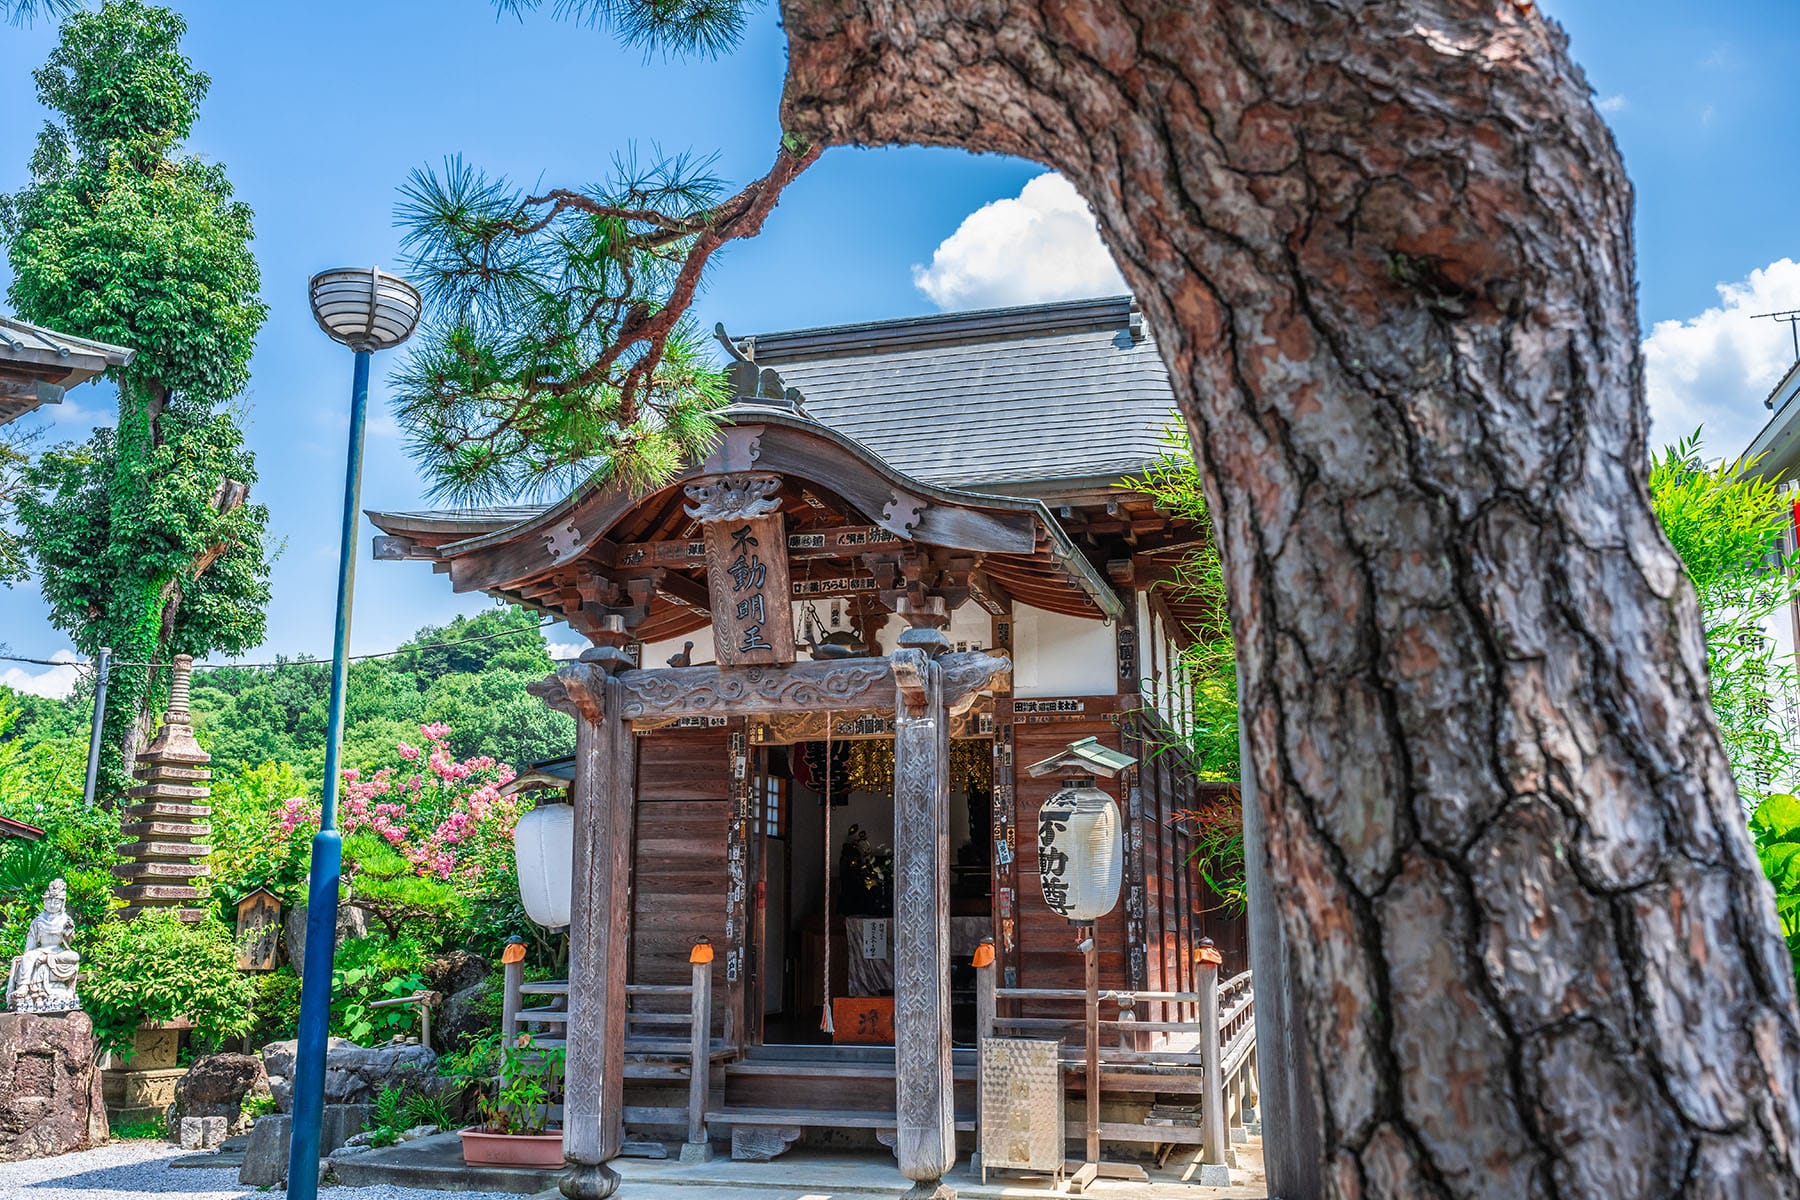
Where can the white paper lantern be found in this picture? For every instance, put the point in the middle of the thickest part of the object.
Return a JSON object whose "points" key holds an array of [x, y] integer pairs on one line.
{"points": [[1080, 855], [544, 849]]}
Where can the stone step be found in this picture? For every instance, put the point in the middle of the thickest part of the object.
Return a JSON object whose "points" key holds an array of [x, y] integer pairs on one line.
{"points": [[174, 829], [168, 893], [159, 870], [155, 809], [165, 850]]}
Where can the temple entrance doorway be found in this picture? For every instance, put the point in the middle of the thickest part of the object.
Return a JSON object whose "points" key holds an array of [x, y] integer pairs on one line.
{"points": [[827, 926]]}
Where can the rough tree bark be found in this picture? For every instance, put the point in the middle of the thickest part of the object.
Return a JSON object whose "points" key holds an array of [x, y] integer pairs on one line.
{"points": [[1385, 250]]}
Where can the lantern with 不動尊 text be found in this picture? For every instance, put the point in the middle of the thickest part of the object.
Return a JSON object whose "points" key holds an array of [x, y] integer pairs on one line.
{"points": [[1080, 853], [544, 848]]}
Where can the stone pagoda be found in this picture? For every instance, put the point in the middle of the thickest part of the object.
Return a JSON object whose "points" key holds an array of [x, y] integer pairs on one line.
{"points": [[168, 814]]}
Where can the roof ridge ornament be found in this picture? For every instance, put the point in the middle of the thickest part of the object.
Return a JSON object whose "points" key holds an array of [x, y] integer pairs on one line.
{"points": [[753, 385], [733, 497]]}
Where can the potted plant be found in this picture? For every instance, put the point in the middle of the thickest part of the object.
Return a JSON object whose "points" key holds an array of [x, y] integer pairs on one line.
{"points": [[515, 1129]]}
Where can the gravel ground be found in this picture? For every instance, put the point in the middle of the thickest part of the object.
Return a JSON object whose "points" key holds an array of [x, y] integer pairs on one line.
{"points": [[127, 1170]]}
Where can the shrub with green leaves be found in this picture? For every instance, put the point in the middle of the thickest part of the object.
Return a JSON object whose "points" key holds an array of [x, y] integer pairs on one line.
{"points": [[1775, 828], [374, 968], [157, 967]]}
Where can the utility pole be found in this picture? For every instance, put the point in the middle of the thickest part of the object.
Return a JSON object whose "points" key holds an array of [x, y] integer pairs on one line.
{"points": [[93, 766]]}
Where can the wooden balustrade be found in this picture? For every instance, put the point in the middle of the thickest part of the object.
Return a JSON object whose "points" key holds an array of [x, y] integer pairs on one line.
{"points": [[1218, 1042], [648, 1034]]}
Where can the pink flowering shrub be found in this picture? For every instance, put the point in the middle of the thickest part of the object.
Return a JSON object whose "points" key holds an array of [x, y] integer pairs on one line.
{"points": [[446, 817]]}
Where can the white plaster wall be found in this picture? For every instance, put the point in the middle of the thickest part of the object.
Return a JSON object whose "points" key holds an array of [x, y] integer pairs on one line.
{"points": [[1054, 655]]}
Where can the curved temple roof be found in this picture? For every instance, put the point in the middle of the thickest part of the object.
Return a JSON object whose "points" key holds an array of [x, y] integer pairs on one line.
{"points": [[38, 365], [604, 549]]}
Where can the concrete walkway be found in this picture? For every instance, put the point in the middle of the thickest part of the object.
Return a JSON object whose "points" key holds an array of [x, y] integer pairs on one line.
{"points": [[128, 1170]]}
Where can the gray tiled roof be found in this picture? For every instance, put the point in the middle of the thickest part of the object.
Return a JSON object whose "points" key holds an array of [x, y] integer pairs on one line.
{"points": [[1022, 396], [45, 362]]}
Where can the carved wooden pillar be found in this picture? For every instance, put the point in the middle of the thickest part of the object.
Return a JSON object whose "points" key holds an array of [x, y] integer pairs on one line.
{"points": [[605, 795], [925, 1140]]}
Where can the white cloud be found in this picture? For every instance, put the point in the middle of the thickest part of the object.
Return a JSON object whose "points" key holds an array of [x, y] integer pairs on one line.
{"points": [[1038, 246], [1613, 105], [564, 651], [54, 682], [1714, 369]]}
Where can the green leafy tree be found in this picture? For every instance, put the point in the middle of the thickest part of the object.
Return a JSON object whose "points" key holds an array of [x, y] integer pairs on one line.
{"points": [[143, 536], [1727, 522]]}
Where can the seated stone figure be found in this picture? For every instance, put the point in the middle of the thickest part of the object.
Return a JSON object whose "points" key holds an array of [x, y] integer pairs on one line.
{"points": [[43, 978]]}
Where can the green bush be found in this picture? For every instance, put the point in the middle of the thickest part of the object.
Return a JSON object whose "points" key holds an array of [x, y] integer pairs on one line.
{"points": [[276, 1007], [158, 968], [1775, 827], [376, 968]]}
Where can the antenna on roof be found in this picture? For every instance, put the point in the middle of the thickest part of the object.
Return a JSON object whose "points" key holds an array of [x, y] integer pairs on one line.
{"points": [[1792, 317]]}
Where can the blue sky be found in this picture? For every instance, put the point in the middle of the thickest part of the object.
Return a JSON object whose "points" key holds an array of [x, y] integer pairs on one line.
{"points": [[319, 110]]}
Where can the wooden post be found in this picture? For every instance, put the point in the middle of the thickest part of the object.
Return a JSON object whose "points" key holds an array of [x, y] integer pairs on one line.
{"points": [[925, 1136], [1090, 955], [699, 1053], [986, 1002], [605, 795], [513, 996], [1206, 982]]}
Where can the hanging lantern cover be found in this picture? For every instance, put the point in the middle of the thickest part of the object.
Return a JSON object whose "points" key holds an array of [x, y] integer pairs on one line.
{"points": [[544, 850], [1080, 853]]}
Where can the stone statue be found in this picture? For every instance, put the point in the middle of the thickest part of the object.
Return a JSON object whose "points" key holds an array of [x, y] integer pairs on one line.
{"points": [[43, 978]]}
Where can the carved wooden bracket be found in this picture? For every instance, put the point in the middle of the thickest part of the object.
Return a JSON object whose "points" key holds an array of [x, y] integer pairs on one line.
{"points": [[578, 689], [732, 497]]}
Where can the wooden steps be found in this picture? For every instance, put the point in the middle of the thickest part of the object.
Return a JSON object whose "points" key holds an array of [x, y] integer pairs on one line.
{"points": [[815, 1118]]}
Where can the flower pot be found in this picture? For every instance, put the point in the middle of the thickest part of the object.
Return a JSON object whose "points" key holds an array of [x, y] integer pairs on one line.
{"points": [[482, 1149]]}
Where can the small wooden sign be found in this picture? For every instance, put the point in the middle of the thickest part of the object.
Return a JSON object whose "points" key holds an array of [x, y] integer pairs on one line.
{"points": [[863, 1020], [258, 930], [747, 573]]}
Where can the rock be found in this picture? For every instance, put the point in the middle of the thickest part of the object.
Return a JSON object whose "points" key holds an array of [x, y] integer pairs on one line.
{"points": [[200, 1133], [418, 1131], [364, 1138], [50, 1101], [351, 923], [455, 971], [347, 1149], [354, 1073], [265, 1159], [462, 1016], [216, 1086]]}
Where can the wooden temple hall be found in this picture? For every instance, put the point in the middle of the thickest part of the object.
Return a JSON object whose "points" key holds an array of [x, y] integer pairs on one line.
{"points": [[825, 661]]}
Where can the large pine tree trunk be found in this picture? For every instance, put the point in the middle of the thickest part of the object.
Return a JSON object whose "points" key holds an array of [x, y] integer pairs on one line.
{"points": [[1385, 250]]}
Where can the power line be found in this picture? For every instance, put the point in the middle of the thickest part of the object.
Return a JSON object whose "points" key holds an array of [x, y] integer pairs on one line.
{"points": [[290, 662]]}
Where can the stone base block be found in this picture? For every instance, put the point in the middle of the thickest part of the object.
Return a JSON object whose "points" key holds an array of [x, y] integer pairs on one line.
{"points": [[266, 1157], [1214, 1175], [200, 1133], [49, 1090], [140, 1095], [760, 1143], [696, 1152]]}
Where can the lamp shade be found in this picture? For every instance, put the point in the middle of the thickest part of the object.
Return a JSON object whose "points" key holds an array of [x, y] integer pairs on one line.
{"points": [[365, 307], [1080, 853], [544, 848]]}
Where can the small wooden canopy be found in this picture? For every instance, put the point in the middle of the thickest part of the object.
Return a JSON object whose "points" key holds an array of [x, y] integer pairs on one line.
{"points": [[19, 829], [38, 365], [856, 528]]}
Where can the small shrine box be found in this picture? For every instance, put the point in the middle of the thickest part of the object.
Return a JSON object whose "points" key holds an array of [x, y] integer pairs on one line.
{"points": [[258, 930]]}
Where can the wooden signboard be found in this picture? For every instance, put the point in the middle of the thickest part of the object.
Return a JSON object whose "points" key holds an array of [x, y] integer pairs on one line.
{"points": [[747, 570], [863, 1020], [258, 930]]}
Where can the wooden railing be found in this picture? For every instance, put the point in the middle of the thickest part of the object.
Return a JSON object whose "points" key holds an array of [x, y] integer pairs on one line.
{"points": [[1217, 1043], [685, 1037]]}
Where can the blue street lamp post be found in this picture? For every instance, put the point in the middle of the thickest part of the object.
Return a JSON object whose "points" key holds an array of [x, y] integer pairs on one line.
{"points": [[367, 310]]}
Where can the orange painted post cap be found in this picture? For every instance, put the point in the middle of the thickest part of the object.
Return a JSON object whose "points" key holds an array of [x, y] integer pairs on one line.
{"points": [[984, 954], [514, 952], [702, 951]]}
